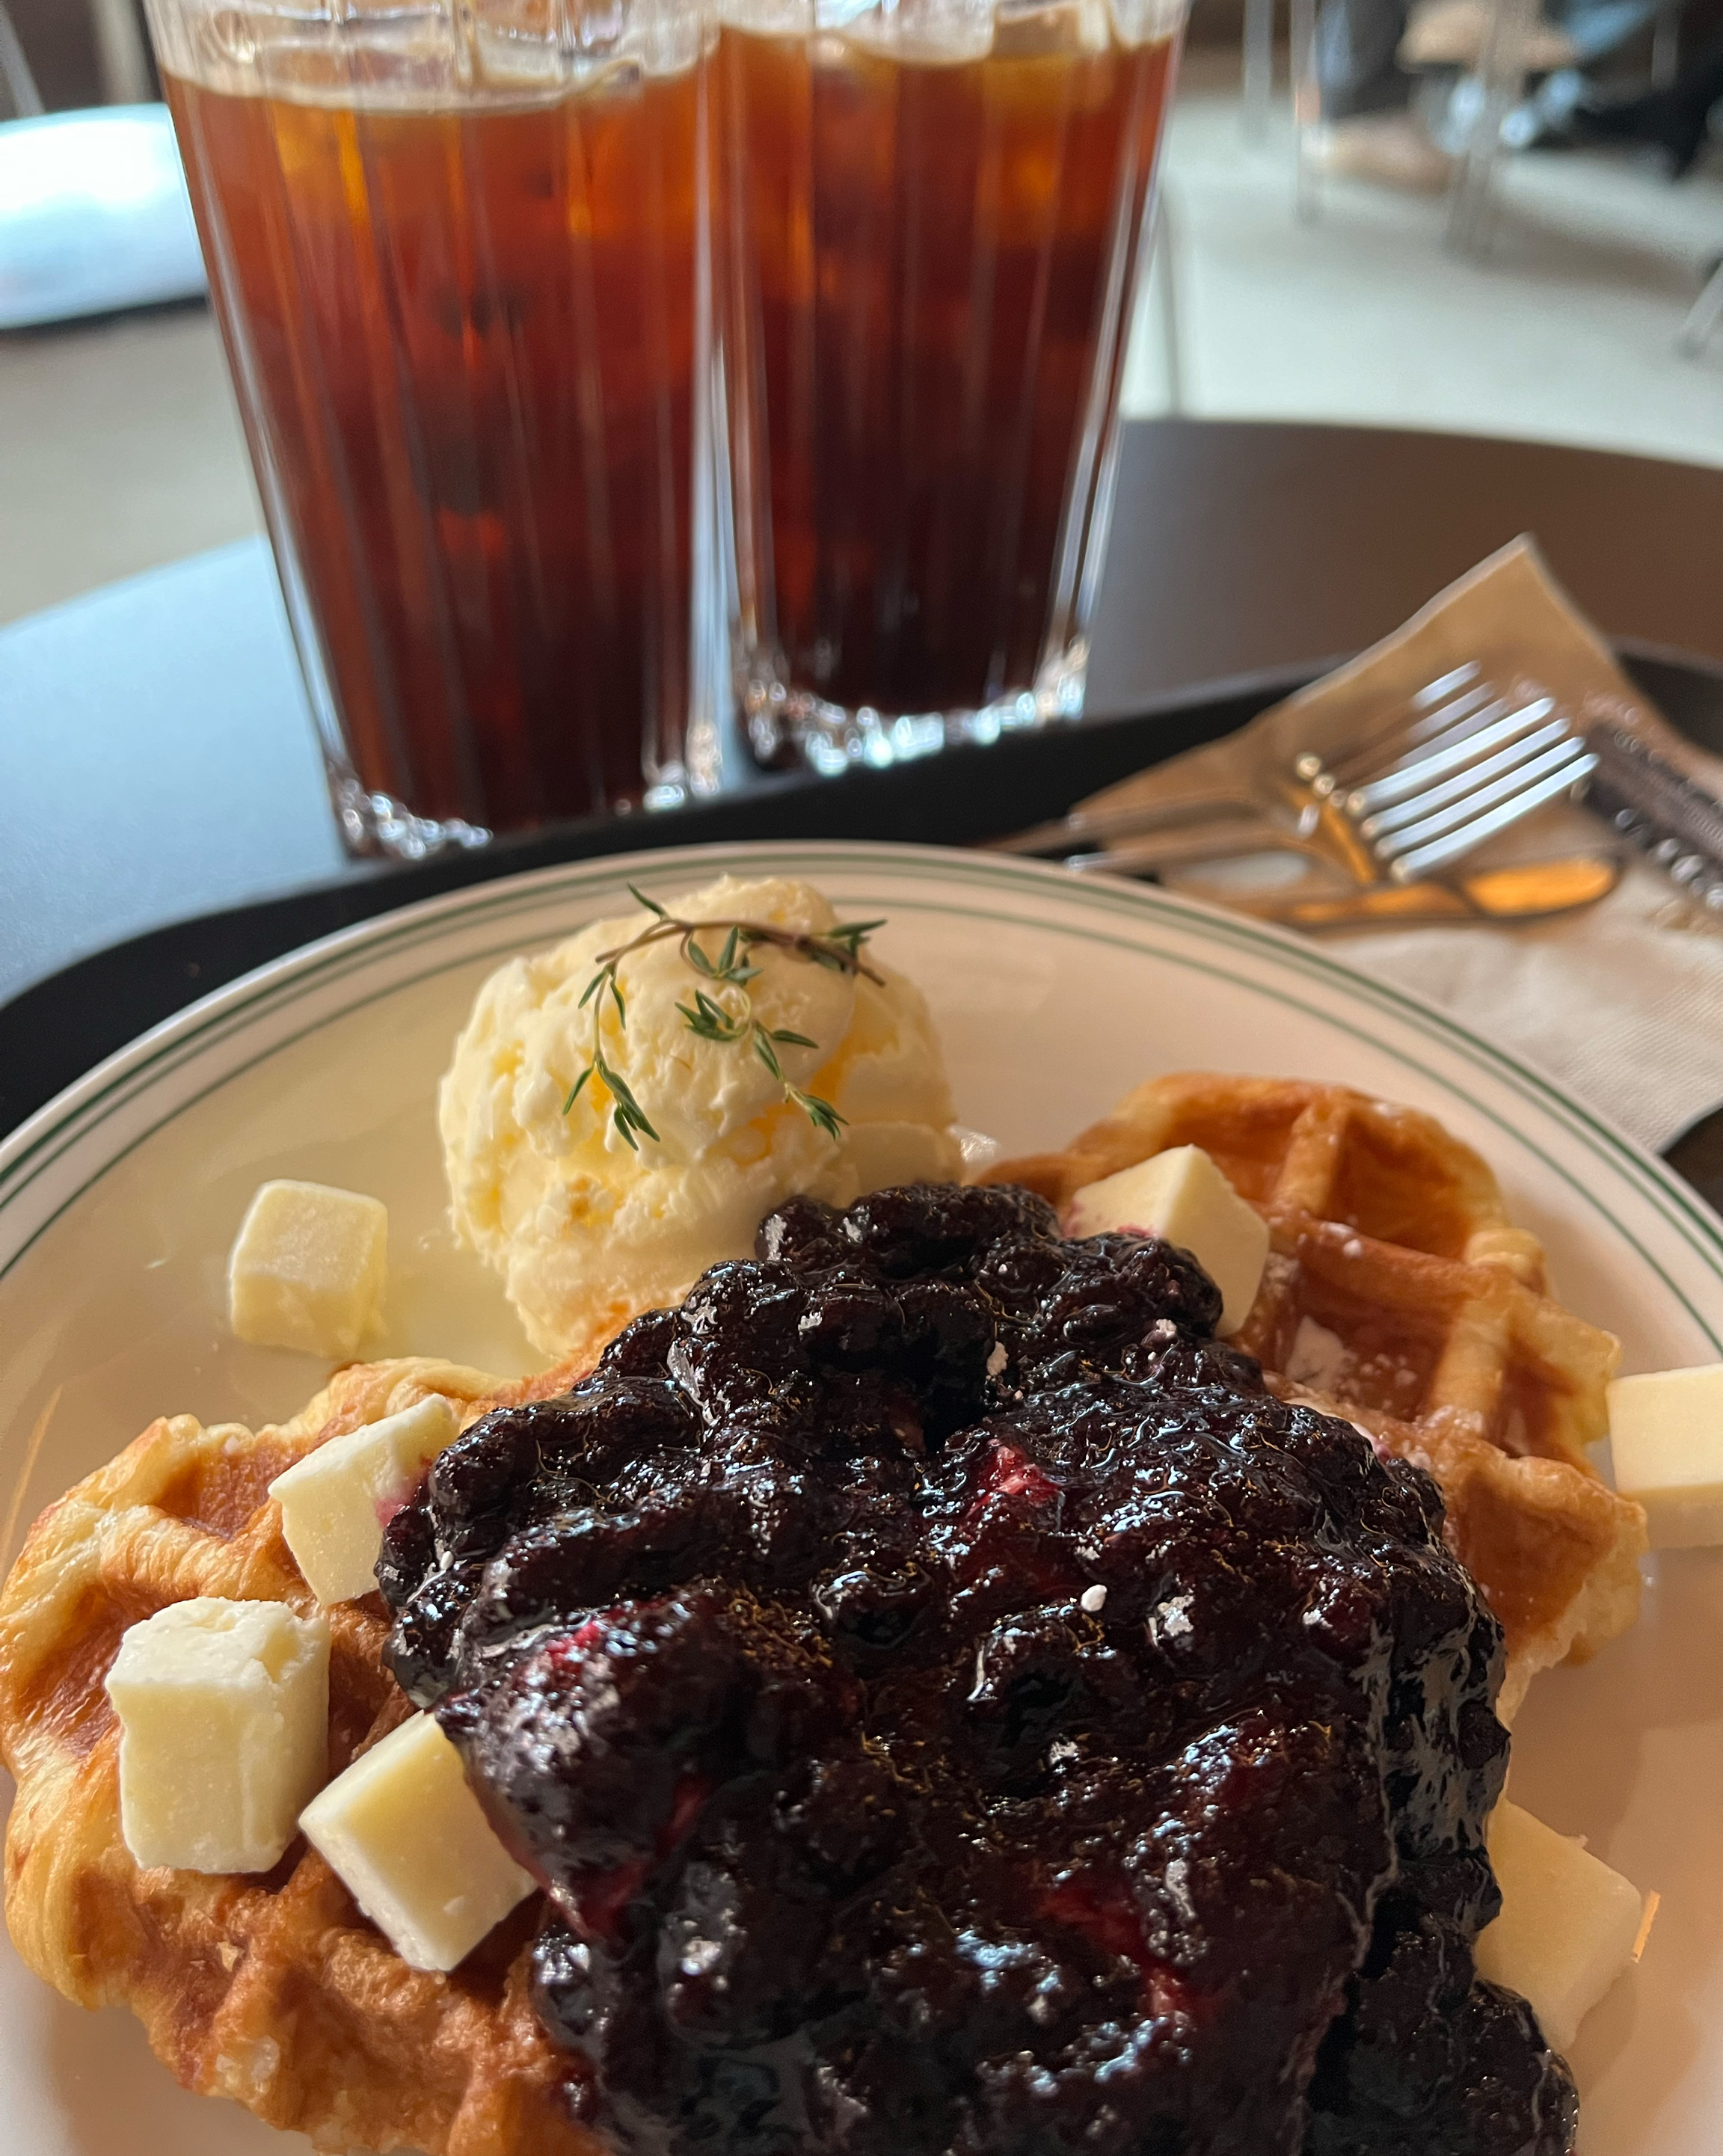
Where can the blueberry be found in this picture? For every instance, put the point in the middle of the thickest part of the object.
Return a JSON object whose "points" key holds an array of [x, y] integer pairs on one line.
{"points": [[958, 1710]]}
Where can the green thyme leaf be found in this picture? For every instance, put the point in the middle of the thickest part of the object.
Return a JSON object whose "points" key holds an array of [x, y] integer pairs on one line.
{"points": [[837, 949], [628, 1115], [711, 1021], [820, 1113], [766, 1053]]}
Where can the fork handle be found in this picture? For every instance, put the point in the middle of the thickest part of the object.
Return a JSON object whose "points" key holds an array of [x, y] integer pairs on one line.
{"points": [[1658, 807], [1174, 849], [1099, 827]]}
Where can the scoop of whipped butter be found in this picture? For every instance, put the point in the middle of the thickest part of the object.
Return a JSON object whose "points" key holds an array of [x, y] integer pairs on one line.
{"points": [[587, 1233]]}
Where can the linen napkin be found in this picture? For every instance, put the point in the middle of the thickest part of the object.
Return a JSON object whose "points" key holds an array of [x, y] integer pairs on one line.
{"points": [[1623, 1001]]}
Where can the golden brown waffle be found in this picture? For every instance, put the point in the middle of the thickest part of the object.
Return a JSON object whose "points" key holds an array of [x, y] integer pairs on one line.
{"points": [[1398, 1294], [274, 1990]]}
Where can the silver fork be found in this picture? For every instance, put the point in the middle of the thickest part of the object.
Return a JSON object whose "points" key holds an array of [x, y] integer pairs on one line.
{"points": [[1460, 766], [1456, 765]]}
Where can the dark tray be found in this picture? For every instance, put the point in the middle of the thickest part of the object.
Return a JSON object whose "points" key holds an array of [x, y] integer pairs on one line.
{"points": [[61, 1027]]}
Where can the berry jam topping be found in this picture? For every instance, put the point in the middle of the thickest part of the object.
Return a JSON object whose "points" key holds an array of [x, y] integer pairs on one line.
{"points": [[952, 1707]]}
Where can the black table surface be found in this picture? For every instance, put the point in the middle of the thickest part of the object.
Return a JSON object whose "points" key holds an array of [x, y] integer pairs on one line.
{"points": [[157, 763]]}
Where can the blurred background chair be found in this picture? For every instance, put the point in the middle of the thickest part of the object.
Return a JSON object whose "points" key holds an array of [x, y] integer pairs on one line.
{"points": [[1480, 105], [122, 49], [1257, 72], [1666, 44], [94, 216], [1438, 95], [85, 53], [1706, 314], [19, 97]]}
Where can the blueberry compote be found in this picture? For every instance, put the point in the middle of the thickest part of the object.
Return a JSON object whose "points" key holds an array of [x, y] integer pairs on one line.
{"points": [[952, 1706]]}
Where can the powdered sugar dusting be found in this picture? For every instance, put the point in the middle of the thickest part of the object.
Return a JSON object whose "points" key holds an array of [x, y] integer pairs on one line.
{"points": [[1318, 1357]]}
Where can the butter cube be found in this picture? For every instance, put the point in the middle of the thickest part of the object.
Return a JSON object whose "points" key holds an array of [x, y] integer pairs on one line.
{"points": [[1183, 1198], [1568, 1925], [1666, 1433], [308, 1268], [223, 1712], [412, 1844], [336, 1501]]}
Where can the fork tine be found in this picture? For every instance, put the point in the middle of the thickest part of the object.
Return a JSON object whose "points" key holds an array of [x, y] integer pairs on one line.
{"points": [[1423, 772], [1384, 746], [1506, 788], [1436, 691], [1464, 784], [1575, 761], [1396, 728], [1459, 722], [1426, 860]]}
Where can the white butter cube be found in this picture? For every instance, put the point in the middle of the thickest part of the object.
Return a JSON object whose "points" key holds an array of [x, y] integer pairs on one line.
{"points": [[1183, 1198], [1568, 1924], [1666, 1433], [307, 1269], [223, 1712], [336, 1501], [411, 1843]]}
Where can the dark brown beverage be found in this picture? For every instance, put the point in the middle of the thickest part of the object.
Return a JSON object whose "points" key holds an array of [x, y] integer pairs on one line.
{"points": [[924, 269], [463, 334]]}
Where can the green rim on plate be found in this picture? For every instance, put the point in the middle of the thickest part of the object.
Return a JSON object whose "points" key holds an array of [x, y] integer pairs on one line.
{"points": [[43, 1141]]}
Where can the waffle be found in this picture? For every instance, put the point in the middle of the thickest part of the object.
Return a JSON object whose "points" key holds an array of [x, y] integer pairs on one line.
{"points": [[274, 1990], [1398, 1294]]}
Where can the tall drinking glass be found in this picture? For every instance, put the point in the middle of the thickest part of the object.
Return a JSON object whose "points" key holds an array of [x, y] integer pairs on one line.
{"points": [[930, 219], [454, 250]]}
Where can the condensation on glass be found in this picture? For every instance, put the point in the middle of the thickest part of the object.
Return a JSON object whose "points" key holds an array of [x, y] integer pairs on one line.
{"points": [[929, 220], [455, 251]]}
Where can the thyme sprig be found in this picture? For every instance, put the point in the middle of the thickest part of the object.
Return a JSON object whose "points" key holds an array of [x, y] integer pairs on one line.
{"points": [[730, 1023]]}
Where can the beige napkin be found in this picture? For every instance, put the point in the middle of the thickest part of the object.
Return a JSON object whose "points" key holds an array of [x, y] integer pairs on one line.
{"points": [[1624, 1001]]}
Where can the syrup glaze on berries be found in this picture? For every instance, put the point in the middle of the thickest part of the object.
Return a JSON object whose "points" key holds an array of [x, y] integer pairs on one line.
{"points": [[952, 1707]]}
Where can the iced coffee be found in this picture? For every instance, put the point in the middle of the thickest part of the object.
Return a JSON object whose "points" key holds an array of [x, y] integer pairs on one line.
{"points": [[453, 249], [928, 223]]}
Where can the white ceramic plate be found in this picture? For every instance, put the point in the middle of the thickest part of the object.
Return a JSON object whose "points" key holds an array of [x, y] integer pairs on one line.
{"points": [[118, 1202]]}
